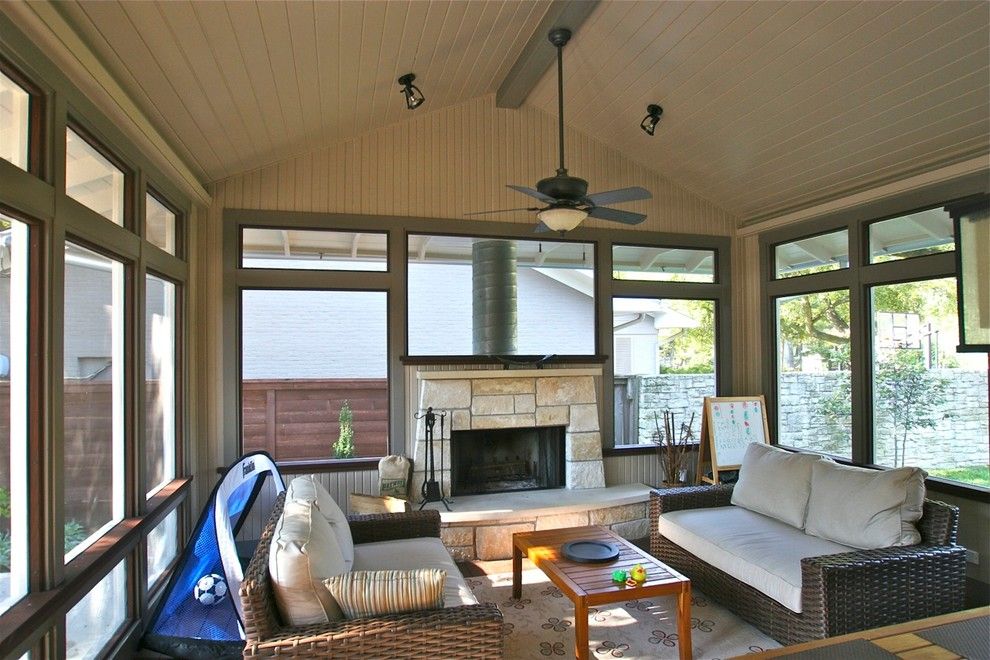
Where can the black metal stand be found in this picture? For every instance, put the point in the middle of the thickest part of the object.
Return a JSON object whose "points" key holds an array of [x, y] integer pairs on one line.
{"points": [[432, 490]]}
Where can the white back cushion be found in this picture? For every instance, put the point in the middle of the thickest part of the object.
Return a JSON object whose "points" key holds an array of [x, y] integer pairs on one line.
{"points": [[308, 489], [775, 482], [865, 508], [304, 552]]}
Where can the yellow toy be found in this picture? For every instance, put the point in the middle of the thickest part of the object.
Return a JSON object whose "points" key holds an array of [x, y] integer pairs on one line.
{"points": [[638, 573]]}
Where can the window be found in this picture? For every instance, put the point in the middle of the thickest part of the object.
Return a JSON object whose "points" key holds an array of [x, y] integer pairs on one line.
{"points": [[867, 366], [159, 392], [15, 115], [299, 249], [663, 359], [929, 403], [163, 547], [92, 180], [494, 296], [814, 254], [98, 617], [813, 378], [13, 411], [160, 224], [913, 235], [662, 264], [93, 396], [314, 370]]}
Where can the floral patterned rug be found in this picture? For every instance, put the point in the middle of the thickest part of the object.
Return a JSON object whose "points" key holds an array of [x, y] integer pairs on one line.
{"points": [[541, 624]]}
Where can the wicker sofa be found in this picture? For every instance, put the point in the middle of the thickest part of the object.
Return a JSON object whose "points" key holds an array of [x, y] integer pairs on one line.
{"points": [[467, 631], [840, 593]]}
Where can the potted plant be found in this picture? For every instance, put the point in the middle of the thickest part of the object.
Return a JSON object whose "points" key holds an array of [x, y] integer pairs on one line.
{"points": [[672, 444]]}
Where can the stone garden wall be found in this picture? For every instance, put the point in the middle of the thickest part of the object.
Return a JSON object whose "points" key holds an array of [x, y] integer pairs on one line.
{"points": [[958, 439]]}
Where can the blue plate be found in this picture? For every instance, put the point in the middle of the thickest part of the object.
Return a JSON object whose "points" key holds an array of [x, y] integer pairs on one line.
{"points": [[589, 551]]}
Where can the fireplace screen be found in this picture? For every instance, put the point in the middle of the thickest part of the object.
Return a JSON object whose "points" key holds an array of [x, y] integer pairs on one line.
{"points": [[500, 460]]}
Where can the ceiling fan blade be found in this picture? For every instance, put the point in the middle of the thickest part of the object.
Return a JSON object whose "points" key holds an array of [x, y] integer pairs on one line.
{"points": [[531, 208], [617, 215], [621, 195], [533, 193]]}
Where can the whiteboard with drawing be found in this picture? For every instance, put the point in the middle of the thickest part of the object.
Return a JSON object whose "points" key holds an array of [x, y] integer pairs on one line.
{"points": [[728, 425]]}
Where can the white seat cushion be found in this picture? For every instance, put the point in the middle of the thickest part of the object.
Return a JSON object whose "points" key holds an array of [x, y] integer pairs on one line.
{"points": [[308, 489], [409, 554], [775, 482], [755, 549]]}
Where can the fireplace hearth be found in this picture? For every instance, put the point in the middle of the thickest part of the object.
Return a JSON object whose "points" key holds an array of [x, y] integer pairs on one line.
{"points": [[502, 460]]}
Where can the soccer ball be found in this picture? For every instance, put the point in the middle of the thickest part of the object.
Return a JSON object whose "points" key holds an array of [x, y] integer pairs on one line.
{"points": [[210, 589]]}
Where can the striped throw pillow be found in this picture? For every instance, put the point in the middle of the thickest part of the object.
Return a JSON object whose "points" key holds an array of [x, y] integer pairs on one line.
{"points": [[371, 593]]}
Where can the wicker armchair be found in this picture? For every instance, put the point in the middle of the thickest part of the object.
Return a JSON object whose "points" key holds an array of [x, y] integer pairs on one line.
{"points": [[470, 631], [840, 593]]}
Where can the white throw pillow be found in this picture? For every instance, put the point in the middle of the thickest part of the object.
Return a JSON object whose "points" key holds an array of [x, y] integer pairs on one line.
{"points": [[304, 552], [308, 489], [865, 508], [775, 482]]}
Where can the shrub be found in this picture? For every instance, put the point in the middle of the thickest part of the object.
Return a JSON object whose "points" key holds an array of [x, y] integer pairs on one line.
{"points": [[344, 447]]}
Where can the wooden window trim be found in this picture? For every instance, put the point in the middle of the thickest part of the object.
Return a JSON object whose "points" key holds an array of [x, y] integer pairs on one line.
{"points": [[29, 619]]}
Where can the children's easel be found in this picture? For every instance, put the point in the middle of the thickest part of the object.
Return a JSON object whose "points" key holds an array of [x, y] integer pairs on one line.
{"points": [[728, 425]]}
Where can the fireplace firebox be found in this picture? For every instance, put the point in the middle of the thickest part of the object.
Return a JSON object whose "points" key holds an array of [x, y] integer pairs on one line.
{"points": [[500, 460]]}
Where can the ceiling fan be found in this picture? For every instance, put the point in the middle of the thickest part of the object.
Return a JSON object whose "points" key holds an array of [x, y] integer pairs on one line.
{"points": [[566, 197]]}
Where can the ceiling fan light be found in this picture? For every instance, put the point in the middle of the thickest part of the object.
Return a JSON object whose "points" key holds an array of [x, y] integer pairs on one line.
{"points": [[562, 219], [414, 97]]}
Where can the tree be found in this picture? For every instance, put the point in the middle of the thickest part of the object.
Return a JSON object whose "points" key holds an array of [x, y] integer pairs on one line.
{"points": [[691, 350], [344, 447], [908, 397]]}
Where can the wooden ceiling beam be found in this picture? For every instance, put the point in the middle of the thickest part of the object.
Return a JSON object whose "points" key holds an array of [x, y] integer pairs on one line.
{"points": [[538, 55]]}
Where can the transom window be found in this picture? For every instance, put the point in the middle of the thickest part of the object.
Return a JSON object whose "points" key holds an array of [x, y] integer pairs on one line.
{"points": [[495, 296]]}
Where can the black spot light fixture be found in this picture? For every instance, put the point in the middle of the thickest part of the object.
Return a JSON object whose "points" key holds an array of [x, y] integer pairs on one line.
{"points": [[414, 97], [652, 118]]}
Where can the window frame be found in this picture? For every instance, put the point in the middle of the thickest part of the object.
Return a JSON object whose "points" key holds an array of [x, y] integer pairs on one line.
{"points": [[37, 197], [411, 358], [395, 281], [859, 278], [303, 465], [37, 101], [180, 243]]}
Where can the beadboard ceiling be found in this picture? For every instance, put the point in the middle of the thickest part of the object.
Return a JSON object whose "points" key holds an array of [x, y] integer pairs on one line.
{"points": [[769, 107]]}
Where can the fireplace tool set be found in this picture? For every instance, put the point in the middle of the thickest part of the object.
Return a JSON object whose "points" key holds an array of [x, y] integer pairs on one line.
{"points": [[432, 489]]}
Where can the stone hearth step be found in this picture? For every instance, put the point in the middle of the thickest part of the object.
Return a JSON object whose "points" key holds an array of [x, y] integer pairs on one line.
{"points": [[481, 526]]}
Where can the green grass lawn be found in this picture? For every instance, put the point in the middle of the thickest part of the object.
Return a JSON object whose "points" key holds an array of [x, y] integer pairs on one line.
{"points": [[977, 475]]}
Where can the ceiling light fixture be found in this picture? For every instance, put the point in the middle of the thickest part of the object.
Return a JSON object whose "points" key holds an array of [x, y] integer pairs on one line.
{"points": [[561, 218], [414, 97], [652, 118]]}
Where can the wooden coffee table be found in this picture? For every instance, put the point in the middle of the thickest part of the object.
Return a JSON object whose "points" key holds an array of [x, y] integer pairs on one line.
{"points": [[591, 584]]}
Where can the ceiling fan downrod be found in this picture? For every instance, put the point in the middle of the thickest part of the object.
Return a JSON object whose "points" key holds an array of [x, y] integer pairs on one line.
{"points": [[559, 38]]}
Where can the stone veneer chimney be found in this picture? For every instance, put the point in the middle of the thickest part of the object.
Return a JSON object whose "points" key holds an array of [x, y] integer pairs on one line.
{"points": [[478, 399]]}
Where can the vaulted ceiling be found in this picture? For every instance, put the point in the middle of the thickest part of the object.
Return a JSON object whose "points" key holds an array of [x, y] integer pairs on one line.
{"points": [[768, 106]]}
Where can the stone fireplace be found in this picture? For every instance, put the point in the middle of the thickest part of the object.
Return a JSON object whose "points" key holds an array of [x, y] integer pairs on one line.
{"points": [[514, 399]]}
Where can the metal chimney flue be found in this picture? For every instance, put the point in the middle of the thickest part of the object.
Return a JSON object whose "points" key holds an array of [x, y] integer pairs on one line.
{"points": [[494, 293]]}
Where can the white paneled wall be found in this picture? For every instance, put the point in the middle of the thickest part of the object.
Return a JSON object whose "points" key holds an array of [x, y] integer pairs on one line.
{"points": [[445, 163], [441, 164]]}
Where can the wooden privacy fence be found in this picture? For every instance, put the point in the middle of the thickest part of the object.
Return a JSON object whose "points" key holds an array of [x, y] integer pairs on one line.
{"points": [[87, 447], [296, 419]]}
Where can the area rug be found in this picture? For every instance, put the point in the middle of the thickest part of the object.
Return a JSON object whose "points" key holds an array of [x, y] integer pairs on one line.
{"points": [[541, 624]]}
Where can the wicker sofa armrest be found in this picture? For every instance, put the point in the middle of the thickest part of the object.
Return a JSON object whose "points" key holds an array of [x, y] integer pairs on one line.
{"points": [[665, 500], [468, 631], [393, 526], [864, 589]]}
